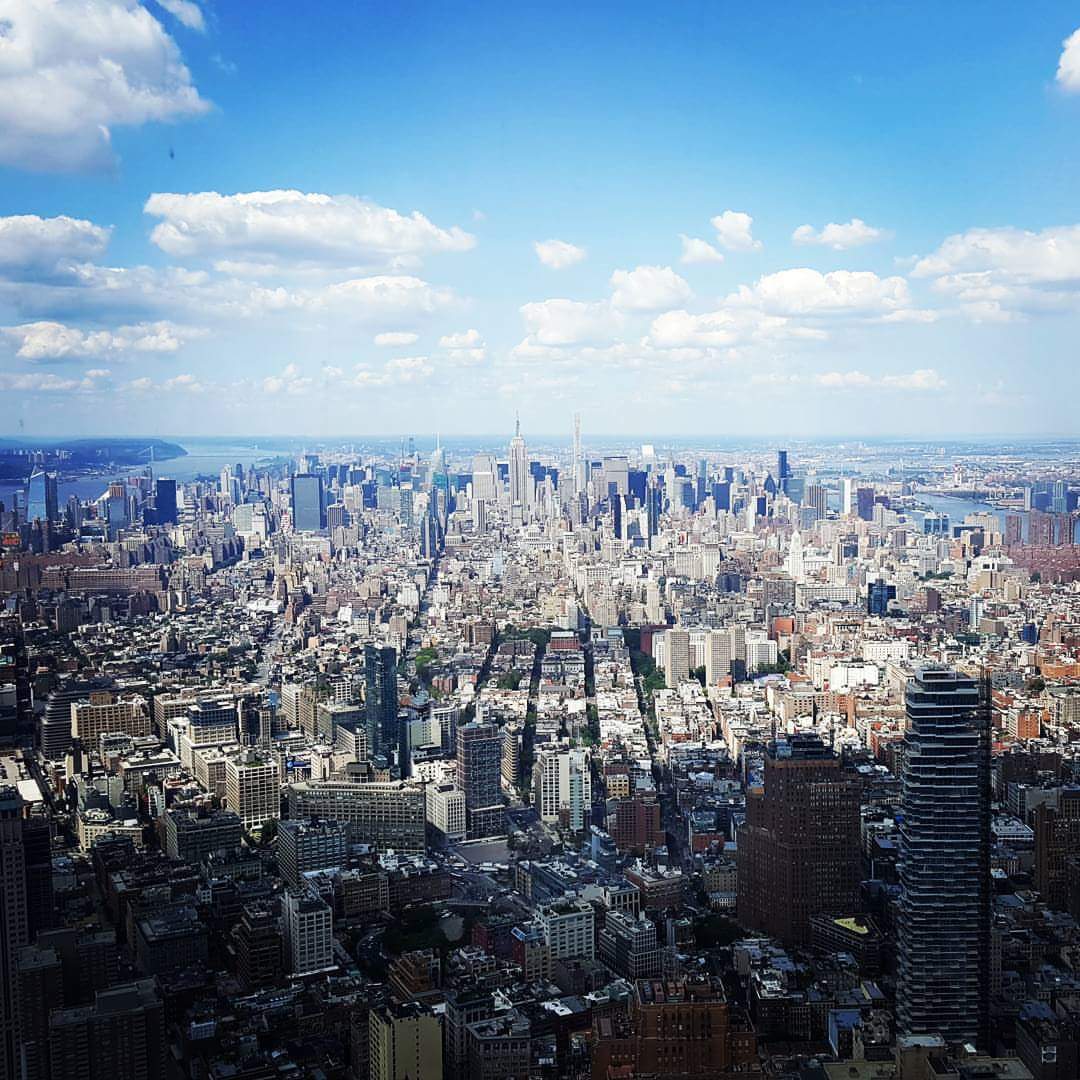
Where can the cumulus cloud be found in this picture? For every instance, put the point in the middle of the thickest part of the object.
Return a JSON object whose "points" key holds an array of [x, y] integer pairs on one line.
{"points": [[1000, 274], [394, 338], [695, 250], [558, 254], [803, 291], [648, 288], [921, 379], [290, 381], [186, 12], [47, 340], [734, 231], [852, 234], [71, 70], [466, 339], [400, 371], [295, 228], [465, 348], [568, 322], [1052, 255], [40, 248], [185, 382], [409, 368], [36, 382], [1068, 72]]}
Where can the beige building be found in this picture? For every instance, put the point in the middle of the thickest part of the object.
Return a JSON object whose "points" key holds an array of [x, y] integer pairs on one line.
{"points": [[405, 1041], [107, 712]]}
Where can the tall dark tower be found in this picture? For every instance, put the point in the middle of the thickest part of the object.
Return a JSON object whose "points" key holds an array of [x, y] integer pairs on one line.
{"points": [[381, 700], [14, 924], [783, 471], [943, 940]]}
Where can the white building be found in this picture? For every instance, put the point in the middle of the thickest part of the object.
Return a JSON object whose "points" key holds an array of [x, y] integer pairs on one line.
{"points": [[253, 788], [446, 810], [563, 787], [308, 928], [568, 929]]}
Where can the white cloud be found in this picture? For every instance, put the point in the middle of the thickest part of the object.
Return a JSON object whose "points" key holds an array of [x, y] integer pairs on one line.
{"points": [[37, 382], [186, 12], [680, 329], [853, 234], [695, 250], [568, 322], [296, 228], [392, 338], [1068, 72], [409, 368], [648, 288], [803, 291], [465, 348], [186, 382], [35, 247], [1000, 274], [290, 381], [558, 254], [921, 379], [734, 230], [843, 380], [399, 371], [46, 340], [1052, 255], [70, 70], [466, 339]]}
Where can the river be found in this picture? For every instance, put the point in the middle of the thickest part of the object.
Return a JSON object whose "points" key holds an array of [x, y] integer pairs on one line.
{"points": [[958, 509]]}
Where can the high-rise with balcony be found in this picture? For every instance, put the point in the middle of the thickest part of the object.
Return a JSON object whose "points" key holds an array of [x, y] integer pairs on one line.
{"points": [[943, 939]]}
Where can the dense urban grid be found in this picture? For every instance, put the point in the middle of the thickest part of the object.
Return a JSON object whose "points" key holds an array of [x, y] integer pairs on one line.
{"points": [[517, 762]]}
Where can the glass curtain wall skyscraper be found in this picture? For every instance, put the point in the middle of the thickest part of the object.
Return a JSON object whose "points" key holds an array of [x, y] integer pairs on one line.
{"points": [[308, 503], [381, 699], [41, 497], [944, 920]]}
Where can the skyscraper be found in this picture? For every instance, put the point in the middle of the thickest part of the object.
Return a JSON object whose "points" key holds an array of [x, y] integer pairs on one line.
{"points": [[479, 762], [783, 470], [798, 850], [308, 503], [14, 924], [41, 497], [944, 919], [519, 470], [381, 698], [165, 501]]}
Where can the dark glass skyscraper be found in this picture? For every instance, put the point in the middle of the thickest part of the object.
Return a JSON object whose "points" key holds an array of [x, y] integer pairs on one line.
{"points": [[783, 470], [165, 501], [41, 497], [308, 503], [944, 921], [878, 595], [381, 700]]}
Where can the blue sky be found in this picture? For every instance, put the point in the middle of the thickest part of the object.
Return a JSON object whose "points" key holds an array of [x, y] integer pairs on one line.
{"points": [[880, 208]]}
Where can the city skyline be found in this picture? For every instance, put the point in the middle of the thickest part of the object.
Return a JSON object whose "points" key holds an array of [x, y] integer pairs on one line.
{"points": [[206, 231]]}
